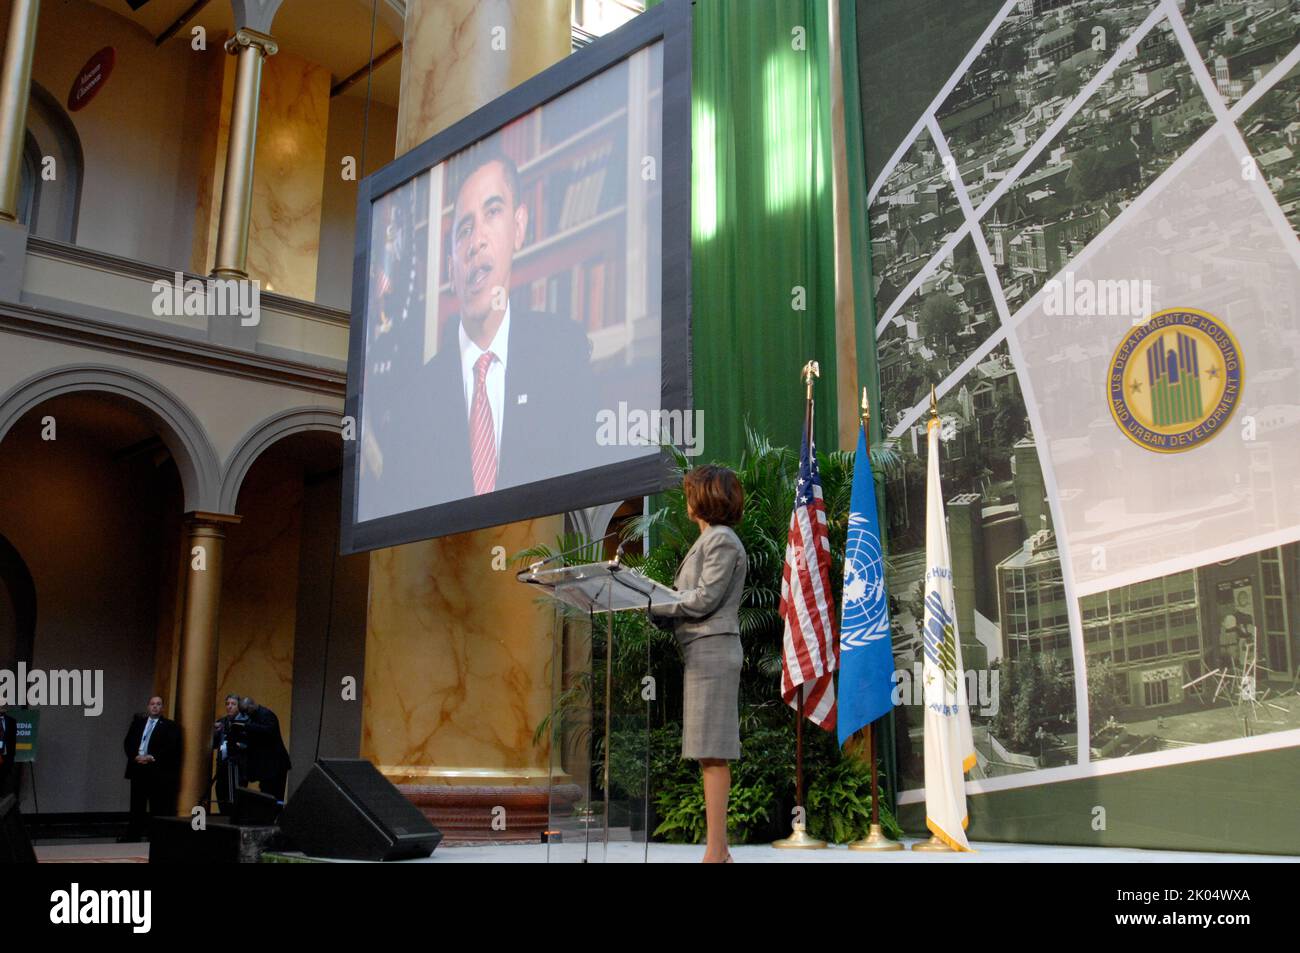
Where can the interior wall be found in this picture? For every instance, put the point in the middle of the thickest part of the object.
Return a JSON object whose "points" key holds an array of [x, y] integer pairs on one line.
{"points": [[259, 589], [288, 170], [138, 193], [89, 528]]}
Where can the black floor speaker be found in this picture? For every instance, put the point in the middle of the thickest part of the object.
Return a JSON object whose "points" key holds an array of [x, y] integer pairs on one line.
{"points": [[15, 847], [346, 809], [254, 808], [172, 840]]}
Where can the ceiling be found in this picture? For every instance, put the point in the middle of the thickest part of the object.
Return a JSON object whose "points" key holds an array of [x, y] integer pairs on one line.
{"points": [[332, 33]]}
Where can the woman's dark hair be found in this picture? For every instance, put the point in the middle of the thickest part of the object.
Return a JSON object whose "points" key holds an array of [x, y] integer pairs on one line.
{"points": [[714, 494]]}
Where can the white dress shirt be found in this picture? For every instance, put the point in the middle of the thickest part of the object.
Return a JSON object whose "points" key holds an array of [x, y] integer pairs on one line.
{"points": [[496, 375]]}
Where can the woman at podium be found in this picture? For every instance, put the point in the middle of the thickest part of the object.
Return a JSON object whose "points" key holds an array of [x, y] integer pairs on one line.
{"points": [[706, 622]]}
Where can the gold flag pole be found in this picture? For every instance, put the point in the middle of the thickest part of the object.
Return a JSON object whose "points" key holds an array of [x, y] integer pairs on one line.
{"points": [[799, 838], [934, 844], [875, 839]]}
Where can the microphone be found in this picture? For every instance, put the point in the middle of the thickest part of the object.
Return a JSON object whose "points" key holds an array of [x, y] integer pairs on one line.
{"points": [[577, 549]]}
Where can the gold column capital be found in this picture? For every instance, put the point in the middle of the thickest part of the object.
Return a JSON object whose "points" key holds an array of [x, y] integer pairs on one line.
{"points": [[245, 37]]}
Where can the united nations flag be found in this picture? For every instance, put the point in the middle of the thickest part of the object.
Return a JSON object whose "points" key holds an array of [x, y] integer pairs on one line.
{"points": [[866, 653]]}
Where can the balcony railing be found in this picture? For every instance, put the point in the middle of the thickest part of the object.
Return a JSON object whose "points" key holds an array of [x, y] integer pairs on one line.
{"points": [[77, 292]]}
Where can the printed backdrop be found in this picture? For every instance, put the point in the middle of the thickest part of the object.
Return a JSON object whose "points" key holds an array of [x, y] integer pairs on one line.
{"points": [[1086, 241]]}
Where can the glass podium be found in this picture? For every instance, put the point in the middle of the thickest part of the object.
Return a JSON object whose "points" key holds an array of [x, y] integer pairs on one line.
{"points": [[599, 726]]}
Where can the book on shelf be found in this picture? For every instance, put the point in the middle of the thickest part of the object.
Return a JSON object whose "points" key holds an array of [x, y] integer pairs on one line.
{"points": [[586, 185], [596, 295]]}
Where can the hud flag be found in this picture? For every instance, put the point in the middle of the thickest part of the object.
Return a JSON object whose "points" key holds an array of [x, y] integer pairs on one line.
{"points": [[949, 748]]}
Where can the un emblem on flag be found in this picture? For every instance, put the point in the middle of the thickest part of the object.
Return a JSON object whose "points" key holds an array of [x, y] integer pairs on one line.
{"points": [[1175, 381], [865, 611]]}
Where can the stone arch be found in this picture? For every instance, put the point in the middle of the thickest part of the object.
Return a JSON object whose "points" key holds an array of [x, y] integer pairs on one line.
{"points": [[178, 428], [262, 436]]}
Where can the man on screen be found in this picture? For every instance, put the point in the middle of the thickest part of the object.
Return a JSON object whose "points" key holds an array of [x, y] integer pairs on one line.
{"points": [[508, 398]]}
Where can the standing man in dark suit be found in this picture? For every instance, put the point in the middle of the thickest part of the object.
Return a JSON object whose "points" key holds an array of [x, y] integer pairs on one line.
{"points": [[8, 752], [153, 756], [508, 398], [230, 743], [267, 758]]}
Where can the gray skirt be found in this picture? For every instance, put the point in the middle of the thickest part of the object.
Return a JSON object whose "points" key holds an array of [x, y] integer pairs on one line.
{"points": [[711, 698]]}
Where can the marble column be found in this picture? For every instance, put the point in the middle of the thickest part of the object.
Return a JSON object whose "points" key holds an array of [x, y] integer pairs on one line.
{"points": [[250, 47], [15, 88], [197, 676], [458, 55], [458, 653]]}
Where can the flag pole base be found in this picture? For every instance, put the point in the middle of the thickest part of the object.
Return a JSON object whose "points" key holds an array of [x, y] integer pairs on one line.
{"points": [[799, 839], [933, 844], [876, 840]]}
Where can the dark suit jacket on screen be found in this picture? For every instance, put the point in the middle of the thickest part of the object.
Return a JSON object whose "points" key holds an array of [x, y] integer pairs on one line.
{"points": [[549, 415]]}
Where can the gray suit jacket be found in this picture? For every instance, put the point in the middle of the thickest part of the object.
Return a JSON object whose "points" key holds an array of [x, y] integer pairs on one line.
{"points": [[711, 580]]}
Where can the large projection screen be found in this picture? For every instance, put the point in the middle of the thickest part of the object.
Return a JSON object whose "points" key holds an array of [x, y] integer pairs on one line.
{"points": [[520, 339]]}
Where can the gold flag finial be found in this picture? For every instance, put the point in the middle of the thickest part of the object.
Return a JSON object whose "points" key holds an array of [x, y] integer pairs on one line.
{"points": [[810, 370], [866, 407]]}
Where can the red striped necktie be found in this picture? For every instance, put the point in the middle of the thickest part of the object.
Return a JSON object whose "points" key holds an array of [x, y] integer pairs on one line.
{"points": [[482, 432]]}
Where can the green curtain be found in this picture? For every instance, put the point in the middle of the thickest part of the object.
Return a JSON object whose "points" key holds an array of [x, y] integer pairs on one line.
{"points": [[762, 210], [763, 280]]}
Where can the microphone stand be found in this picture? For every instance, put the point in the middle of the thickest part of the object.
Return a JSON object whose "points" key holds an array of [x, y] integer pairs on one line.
{"points": [[533, 567]]}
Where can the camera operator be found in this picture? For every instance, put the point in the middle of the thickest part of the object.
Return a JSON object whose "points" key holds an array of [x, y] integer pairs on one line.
{"points": [[230, 741], [268, 759]]}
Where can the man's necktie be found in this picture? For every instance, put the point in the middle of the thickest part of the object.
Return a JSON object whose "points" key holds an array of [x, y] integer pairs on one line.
{"points": [[482, 433]]}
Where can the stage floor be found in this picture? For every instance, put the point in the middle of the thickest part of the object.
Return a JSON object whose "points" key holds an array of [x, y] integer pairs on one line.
{"points": [[102, 852], [762, 854]]}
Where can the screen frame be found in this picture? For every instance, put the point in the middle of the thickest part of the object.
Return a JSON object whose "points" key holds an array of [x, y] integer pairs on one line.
{"points": [[670, 24]]}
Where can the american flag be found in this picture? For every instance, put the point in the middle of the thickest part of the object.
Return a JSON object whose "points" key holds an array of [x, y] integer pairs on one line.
{"points": [[811, 651]]}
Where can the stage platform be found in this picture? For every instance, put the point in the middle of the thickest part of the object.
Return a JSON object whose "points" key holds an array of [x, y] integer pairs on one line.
{"points": [[108, 852], [762, 854]]}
